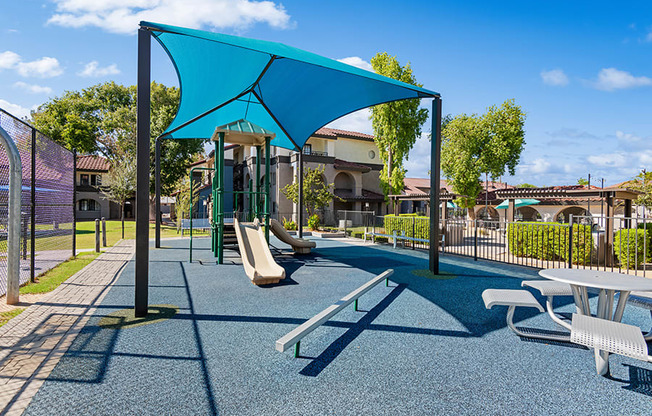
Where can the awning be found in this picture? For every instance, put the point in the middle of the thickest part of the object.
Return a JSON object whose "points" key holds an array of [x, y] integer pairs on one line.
{"points": [[518, 203], [449, 204], [280, 88]]}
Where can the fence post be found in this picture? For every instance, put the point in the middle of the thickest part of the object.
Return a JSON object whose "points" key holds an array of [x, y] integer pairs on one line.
{"points": [[103, 232], [97, 235], [74, 202], [475, 239], [24, 223], [414, 235], [32, 219], [570, 241], [345, 222]]}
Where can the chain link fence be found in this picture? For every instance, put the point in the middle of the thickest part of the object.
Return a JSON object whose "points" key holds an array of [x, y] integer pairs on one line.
{"points": [[47, 203]]}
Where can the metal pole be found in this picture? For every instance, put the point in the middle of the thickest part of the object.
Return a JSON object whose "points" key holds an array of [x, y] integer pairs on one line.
{"points": [[267, 181], [190, 258], [157, 190], [142, 174], [570, 241], [258, 153], [435, 154], [32, 250], [74, 203], [589, 199], [13, 225], [220, 199], [300, 199]]}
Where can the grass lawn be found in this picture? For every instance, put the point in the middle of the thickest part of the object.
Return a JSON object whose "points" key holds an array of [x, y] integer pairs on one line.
{"points": [[49, 280], [86, 232], [6, 316]]}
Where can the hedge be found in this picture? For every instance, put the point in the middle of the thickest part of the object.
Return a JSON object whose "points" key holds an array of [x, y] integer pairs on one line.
{"points": [[549, 241], [632, 246], [404, 226]]}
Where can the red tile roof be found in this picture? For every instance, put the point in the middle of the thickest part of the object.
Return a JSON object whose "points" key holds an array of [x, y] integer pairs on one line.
{"points": [[334, 133], [422, 186], [93, 163], [344, 165]]}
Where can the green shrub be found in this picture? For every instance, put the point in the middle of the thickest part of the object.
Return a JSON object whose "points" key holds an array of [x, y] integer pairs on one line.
{"points": [[289, 224], [413, 226], [632, 246], [549, 241], [357, 234], [313, 222], [381, 239]]}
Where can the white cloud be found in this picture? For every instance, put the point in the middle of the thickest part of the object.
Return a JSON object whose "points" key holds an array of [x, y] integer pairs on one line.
{"points": [[611, 79], [357, 62], [610, 160], [9, 60], [92, 69], [357, 121], [555, 77], [45, 67], [536, 167], [15, 109], [418, 163], [32, 88], [123, 16]]}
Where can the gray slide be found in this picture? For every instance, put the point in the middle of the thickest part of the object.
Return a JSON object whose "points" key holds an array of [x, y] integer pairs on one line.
{"points": [[299, 245], [256, 257]]}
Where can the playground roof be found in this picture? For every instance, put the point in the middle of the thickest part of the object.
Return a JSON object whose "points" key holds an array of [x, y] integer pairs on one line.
{"points": [[283, 89]]}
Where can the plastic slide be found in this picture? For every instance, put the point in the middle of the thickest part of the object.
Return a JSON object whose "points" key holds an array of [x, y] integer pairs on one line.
{"points": [[299, 245], [256, 257]]}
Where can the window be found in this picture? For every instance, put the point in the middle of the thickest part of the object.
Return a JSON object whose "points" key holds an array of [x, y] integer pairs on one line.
{"points": [[307, 149], [89, 205], [96, 180], [84, 179]]}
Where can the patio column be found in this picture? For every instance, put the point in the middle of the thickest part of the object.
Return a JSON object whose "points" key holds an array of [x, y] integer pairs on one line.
{"points": [[157, 189], [142, 173], [511, 210], [435, 154]]}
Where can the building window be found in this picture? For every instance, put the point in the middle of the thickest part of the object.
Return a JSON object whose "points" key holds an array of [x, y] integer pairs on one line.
{"points": [[84, 179], [89, 205], [372, 154], [96, 180], [307, 149]]}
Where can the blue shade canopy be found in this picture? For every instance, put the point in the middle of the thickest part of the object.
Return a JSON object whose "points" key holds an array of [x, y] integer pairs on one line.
{"points": [[518, 203], [283, 89]]}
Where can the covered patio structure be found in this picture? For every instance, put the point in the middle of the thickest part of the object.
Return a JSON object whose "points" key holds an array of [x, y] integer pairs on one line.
{"points": [[283, 89]]}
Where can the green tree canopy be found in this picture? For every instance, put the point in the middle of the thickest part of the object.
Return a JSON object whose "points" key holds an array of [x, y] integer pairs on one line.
{"points": [[102, 119], [316, 193], [582, 181], [643, 183], [397, 125], [526, 185], [476, 144]]}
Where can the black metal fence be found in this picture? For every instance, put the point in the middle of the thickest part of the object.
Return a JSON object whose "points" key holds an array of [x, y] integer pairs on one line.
{"points": [[47, 203], [620, 244]]}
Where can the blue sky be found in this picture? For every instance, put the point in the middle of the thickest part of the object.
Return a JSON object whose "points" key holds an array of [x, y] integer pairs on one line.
{"points": [[581, 70]]}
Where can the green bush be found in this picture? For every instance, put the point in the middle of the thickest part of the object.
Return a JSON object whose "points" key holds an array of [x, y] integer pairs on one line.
{"points": [[357, 234], [313, 222], [289, 224], [412, 226], [549, 241], [632, 246]]}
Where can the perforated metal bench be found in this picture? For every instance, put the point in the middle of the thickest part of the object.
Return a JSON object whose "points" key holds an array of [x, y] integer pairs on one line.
{"points": [[642, 300], [513, 298], [612, 337], [550, 289]]}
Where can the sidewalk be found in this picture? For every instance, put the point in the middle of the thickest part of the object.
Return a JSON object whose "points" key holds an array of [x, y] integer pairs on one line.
{"points": [[32, 343]]}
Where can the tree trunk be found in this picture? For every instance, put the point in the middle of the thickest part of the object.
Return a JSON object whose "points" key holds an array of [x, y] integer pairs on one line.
{"points": [[471, 212]]}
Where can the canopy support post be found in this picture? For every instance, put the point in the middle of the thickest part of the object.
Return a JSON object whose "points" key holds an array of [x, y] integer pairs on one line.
{"points": [[219, 160], [142, 173], [257, 198], [157, 186], [300, 198], [268, 202], [435, 154]]}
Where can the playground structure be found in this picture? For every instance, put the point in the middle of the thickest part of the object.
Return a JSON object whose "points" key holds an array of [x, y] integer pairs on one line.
{"points": [[299, 245]]}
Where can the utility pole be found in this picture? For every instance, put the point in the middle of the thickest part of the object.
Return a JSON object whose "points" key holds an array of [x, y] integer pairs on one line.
{"points": [[589, 201]]}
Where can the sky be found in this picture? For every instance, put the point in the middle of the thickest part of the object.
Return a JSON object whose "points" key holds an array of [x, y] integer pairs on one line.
{"points": [[580, 70]]}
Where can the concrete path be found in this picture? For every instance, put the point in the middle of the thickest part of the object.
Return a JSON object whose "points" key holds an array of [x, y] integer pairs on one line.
{"points": [[32, 343]]}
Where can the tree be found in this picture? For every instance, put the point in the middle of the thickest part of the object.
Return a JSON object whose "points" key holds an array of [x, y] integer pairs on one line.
{"points": [[397, 125], [182, 204], [102, 119], [643, 184], [582, 181], [122, 183], [473, 145], [526, 185], [316, 193]]}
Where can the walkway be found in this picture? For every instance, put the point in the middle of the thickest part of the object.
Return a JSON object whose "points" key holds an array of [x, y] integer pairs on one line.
{"points": [[32, 343]]}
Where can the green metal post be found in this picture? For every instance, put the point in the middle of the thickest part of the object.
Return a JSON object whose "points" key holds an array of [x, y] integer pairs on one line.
{"points": [[297, 346], [219, 154], [190, 216], [267, 180], [258, 152], [214, 198], [251, 199], [355, 305]]}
